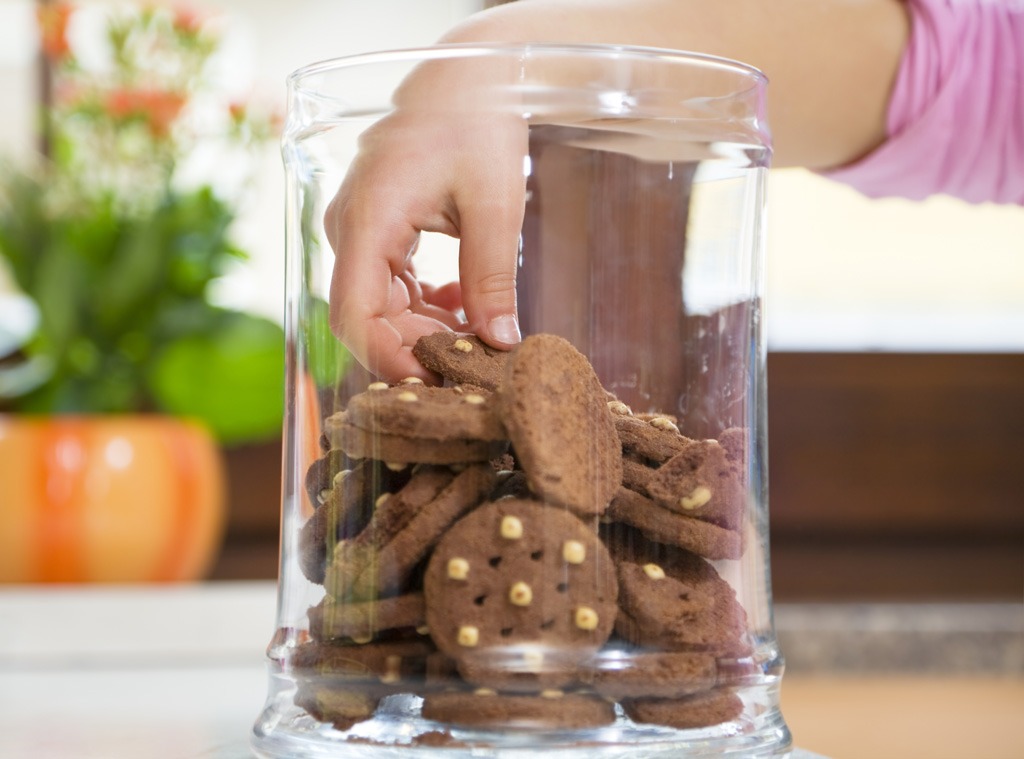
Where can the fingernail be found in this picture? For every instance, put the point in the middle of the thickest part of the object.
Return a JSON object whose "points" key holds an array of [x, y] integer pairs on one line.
{"points": [[504, 328]]}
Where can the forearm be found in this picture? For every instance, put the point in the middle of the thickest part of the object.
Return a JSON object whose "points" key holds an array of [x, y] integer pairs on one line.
{"points": [[831, 63]]}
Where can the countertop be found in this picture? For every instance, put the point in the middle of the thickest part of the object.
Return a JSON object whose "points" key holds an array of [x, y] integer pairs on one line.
{"points": [[177, 672]]}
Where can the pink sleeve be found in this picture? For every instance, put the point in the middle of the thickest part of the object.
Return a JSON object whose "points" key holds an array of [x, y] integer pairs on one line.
{"points": [[956, 117]]}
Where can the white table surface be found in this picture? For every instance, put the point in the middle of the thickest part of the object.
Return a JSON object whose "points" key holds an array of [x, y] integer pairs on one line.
{"points": [[143, 672]]}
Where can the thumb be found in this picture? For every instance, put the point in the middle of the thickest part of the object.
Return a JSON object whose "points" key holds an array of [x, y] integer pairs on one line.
{"points": [[488, 261]]}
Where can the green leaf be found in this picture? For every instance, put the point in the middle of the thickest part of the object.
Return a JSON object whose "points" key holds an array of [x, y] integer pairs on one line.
{"points": [[326, 358], [231, 378]]}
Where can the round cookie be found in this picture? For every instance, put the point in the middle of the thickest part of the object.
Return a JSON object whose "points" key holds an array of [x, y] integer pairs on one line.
{"points": [[700, 710], [663, 526], [462, 358], [367, 444], [617, 674], [363, 620], [346, 510], [518, 593], [548, 710], [673, 600], [557, 417], [706, 480], [405, 525], [421, 411]]}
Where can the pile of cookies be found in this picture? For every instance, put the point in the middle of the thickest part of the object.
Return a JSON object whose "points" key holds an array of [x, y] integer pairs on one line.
{"points": [[519, 548]]}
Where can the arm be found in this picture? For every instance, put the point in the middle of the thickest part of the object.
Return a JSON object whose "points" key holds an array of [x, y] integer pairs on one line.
{"points": [[831, 64]]}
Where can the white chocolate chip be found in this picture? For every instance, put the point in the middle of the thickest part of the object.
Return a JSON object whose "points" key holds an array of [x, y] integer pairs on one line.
{"points": [[551, 693], [408, 396], [395, 466], [380, 500], [474, 399], [423, 630], [322, 496], [520, 594], [393, 669], [574, 552], [664, 423], [463, 345], [586, 618], [654, 571], [361, 639], [533, 660], [468, 636], [698, 497], [341, 476], [411, 381], [485, 692], [511, 528], [377, 386], [620, 408], [458, 569]]}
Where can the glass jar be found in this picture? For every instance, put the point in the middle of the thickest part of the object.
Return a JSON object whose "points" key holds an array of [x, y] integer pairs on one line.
{"points": [[561, 547]]}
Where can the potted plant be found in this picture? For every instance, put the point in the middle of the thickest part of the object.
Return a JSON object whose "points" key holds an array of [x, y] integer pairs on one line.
{"points": [[130, 377]]}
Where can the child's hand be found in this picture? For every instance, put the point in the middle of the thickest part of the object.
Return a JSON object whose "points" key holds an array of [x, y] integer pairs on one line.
{"points": [[427, 168]]}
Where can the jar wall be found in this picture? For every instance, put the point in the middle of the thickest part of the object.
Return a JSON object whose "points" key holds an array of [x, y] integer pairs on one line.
{"points": [[569, 548]]}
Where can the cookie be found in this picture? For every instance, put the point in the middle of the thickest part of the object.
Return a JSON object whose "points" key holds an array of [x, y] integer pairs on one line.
{"points": [[341, 707], [700, 710], [617, 674], [652, 437], [462, 358], [518, 593], [558, 421], [547, 710], [405, 525], [663, 526], [366, 444], [362, 621], [319, 479], [345, 512], [421, 411], [706, 480], [674, 600], [401, 665]]}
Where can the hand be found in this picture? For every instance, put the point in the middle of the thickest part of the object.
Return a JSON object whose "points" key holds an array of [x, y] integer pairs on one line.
{"points": [[427, 168]]}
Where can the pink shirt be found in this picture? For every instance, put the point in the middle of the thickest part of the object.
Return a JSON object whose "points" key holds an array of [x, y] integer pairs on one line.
{"points": [[956, 117]]}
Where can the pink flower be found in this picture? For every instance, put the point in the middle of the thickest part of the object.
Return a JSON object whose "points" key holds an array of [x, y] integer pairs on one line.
{"points": [[159, 108]]}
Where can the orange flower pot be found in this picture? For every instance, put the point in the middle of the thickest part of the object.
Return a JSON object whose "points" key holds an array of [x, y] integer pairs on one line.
{"points": [[108, 499]]}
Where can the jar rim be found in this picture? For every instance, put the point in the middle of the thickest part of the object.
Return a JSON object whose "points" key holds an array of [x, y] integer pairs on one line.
{"points": [[475, 49]]}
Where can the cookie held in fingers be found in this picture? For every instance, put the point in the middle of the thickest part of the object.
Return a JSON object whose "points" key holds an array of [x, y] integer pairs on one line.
{"points": [[559, 423], [518, 593], [462, 358]]}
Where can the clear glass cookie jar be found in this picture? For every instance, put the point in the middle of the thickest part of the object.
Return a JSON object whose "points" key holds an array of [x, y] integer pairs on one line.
{"points": [[562, 546]]}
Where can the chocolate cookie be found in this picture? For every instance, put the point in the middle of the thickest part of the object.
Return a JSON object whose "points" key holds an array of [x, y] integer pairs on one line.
{"points": [[557, 417], [462, 358], [673, 600], [341, 707], [405, 525], [366, 444], [706, 480], [345, 512], [712, 707], [362, 621], [652, 437], [663, 526], [518, 593], [433, 413], [548, 710], [618, 674]]}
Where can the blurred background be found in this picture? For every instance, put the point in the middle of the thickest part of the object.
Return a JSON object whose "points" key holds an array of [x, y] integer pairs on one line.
{"points": [[896, 329]]}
